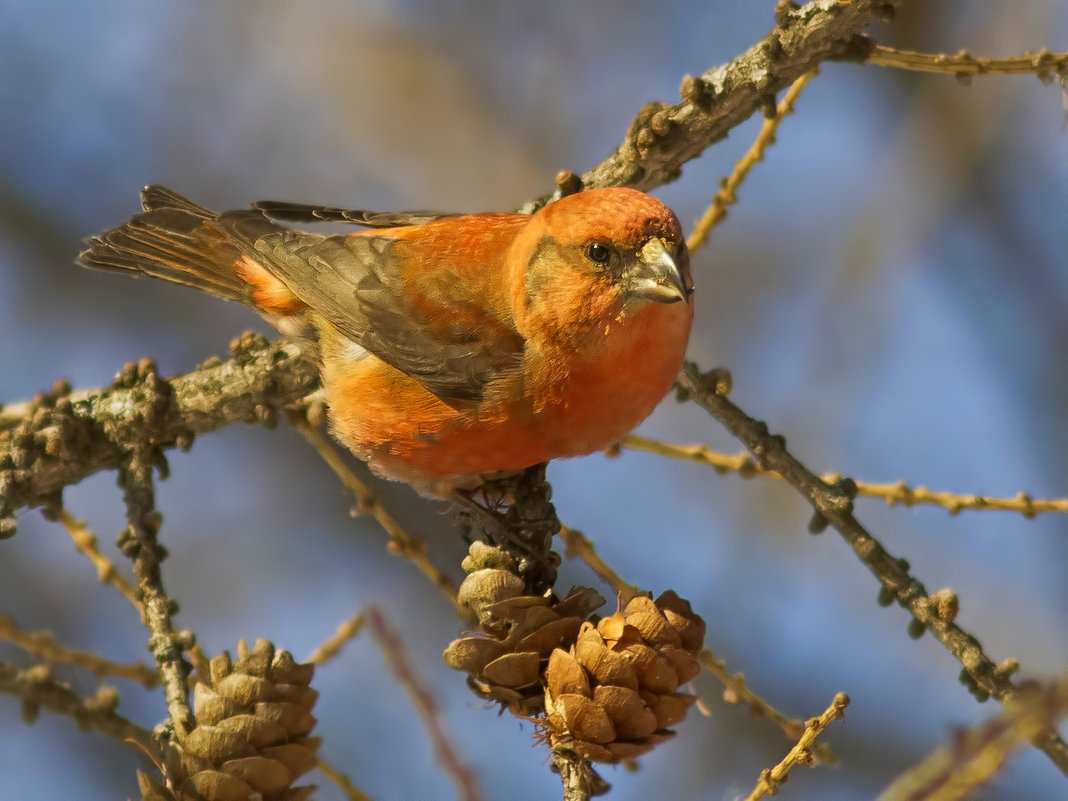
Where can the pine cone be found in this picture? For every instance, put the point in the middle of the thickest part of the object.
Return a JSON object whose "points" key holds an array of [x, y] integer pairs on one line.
{"points": [[613, 694], [251, 736], [520, 630]]}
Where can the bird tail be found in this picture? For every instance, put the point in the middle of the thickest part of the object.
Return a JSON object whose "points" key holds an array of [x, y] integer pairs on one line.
{"points": [[173, 239]]}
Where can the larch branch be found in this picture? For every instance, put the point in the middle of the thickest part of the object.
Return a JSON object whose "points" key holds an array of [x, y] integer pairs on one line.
{"points": [[896, 493], [57, 441], [1044, 64], [664, 136], [37, 689], [833, 505]]}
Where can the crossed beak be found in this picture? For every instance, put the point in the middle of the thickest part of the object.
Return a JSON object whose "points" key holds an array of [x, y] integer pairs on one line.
{"points": [[656, 276]]}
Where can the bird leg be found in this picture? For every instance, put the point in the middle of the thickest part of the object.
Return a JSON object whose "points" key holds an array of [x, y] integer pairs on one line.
{"points": [[524, 526]]}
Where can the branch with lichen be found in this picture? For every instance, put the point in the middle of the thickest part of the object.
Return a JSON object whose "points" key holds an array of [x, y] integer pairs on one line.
{"points": [[801, 754], [833, 506], [664, 136], [139, 542], [59, 439], [898, 493]]}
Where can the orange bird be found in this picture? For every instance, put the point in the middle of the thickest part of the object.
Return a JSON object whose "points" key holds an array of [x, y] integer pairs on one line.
{"points": [[450, 347]]}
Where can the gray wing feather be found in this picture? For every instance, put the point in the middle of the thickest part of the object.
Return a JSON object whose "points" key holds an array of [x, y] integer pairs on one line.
{"points": [[303, 212], [348, 281]]}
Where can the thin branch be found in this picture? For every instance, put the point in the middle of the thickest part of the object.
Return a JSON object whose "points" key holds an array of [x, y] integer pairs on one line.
{"points": [[663, 137], [833, 506], [198, 658], [425, 704], [330, 648], [351, 791], [43, 645], [898, 493], [976, 754], [59, 440], [737, 690], [728, 191], [577, 544], [801, 753], [37, 689], [138, 541], [108, 573], [1044, 64], [401, 542]]}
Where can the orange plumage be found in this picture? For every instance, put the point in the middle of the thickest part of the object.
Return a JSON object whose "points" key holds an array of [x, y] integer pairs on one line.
{"points": [[450, 347]]}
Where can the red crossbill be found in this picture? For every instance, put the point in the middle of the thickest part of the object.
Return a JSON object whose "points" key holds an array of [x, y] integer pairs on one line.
{"points": [[450, 347]]}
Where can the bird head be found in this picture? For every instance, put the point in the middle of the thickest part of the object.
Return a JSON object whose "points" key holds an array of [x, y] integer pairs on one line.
{"points": [[603, 254]]}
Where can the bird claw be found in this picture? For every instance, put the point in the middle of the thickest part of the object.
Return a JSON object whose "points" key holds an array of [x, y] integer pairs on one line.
{"points": [[514, 513]]}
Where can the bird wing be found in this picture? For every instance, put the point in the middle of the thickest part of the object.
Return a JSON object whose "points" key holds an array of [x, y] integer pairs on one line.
{"points": [[454, 347], [308, 213]]}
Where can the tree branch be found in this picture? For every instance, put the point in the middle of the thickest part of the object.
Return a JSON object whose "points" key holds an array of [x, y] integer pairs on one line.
{"points": [[801, 754], [1044, 64], [663, 137], [897, 493], [44, 646], [138, 541], [833, 504], [36, 689], [54, 442]]}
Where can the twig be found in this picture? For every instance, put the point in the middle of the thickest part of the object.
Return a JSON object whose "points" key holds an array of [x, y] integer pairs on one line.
{"points": [[663, 137], [85, 541], [1044, 64], [976, 754], [60, 440], [728, 192], [801, 753], [577, 544], [43, 645], [37, 689], [737, 690], [198, 658], [833, 506], [351, 791], [401, 542], [425, 704], [330, 648], [898, 493], [581, 782], [138, 541]]}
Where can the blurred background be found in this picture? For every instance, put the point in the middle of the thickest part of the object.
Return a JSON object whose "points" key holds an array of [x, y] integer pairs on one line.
{"points": [[890, 295]]}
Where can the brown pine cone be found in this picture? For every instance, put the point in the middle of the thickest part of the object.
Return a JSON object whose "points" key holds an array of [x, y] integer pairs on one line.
{"points": [[251, 735], [519, 630], [614, 694]]}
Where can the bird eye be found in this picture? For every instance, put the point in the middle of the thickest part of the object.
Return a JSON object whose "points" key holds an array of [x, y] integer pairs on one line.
{"points": [[598, 252]]}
